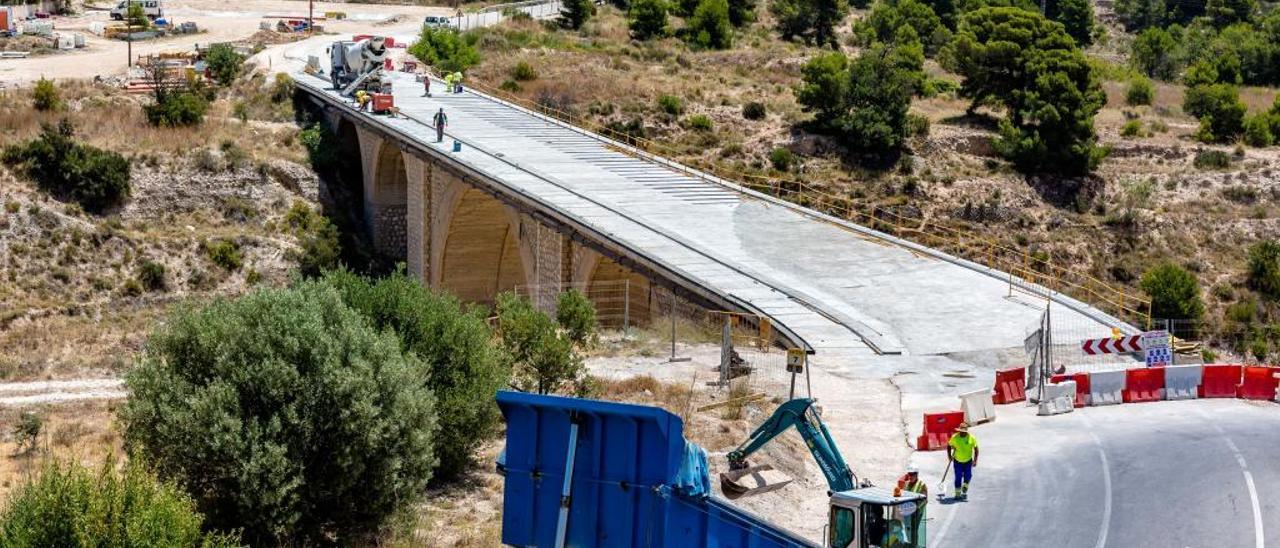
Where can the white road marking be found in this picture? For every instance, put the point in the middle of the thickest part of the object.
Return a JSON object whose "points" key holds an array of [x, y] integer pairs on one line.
{"points": [[946, 522], [1258, 537], [1106, 485]]}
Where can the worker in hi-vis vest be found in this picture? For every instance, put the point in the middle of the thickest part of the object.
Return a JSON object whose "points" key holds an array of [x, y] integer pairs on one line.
{"points": [[963, 452]]}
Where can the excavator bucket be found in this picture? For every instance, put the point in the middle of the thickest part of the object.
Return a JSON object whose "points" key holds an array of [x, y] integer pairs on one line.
{"points": [[752, 481]]}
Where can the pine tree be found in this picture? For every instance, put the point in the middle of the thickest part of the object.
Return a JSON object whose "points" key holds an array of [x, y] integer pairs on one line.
{"points": [[742, 12], [647, 19], [1076, 16], [575, 13]]}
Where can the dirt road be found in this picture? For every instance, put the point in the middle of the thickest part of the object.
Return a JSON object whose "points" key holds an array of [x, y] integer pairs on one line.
{"points": [[219, 22], [20, 394]]}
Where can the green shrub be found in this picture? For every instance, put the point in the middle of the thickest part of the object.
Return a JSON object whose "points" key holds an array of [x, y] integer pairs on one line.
{"points": [[1212, 159], [510, 86], [754, 111], [1258, 130], [224, 63], [286, 414], [1220, 110], [224, 253], [544, 358], [782, 159], [319, 245], [283, 88], [67, 505], [1139, 92], [671, 104], [26, 433], [575, 13], [465, 368], [1264, 268], [131, 288], [1154, 52], [177, 109], [647, 19], [523, 72], [1174, 292], [1132, 128], [699, 122], [445, 49], [94, 178], [577, 317], [151, 275], [709, 27], [45, 96]]}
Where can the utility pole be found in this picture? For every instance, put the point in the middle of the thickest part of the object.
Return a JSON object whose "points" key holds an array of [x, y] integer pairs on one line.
{"points": [[311, 15]]}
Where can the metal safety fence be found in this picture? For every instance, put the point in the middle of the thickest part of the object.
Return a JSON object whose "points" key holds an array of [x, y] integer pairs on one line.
{"points": [[752, 360]]}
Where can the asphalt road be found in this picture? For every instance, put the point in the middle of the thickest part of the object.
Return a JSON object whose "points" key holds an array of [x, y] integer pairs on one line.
{"points": [[1166, 474]]}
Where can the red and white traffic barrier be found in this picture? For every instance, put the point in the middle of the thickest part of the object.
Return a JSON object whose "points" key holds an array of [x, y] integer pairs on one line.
{"points": [[1145, 384]]}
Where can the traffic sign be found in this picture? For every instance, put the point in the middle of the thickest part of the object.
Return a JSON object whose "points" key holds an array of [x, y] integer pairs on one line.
{"points": [[795, 360]]}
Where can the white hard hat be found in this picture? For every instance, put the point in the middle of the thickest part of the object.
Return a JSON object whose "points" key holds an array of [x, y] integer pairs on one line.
{"points": [[913, 470]]}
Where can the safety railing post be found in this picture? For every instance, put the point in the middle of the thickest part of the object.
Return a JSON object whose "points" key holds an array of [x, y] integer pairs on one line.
{"points": [[626, 305]]}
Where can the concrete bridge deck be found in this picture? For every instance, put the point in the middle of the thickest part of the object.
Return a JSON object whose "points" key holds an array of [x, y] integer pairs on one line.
{"points": [[841, 288]]}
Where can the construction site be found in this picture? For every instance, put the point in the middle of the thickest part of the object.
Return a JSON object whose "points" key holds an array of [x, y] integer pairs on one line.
{"points": [[538, 274]]}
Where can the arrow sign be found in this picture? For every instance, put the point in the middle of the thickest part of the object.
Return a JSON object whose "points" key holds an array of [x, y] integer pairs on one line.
{"points": [[1131, 343]]}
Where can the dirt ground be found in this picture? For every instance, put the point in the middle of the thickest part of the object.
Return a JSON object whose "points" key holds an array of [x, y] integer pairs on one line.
{"points": [[219, 21]]}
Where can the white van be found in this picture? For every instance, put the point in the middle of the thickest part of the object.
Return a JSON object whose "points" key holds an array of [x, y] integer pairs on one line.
{"points": [[152, 8]]}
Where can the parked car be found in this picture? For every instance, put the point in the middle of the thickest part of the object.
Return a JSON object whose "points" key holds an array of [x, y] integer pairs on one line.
{"points": [[436, 22], [154, 9]]}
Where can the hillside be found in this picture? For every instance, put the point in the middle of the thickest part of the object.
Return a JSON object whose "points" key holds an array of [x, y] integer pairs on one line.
{"points": [[81, 290]]}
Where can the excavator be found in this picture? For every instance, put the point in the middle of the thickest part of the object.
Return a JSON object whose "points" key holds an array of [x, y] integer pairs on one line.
{"points": [[861, 515]]}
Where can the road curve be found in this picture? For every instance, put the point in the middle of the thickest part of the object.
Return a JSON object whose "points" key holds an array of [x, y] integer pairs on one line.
{"points": [[1165, 474]]}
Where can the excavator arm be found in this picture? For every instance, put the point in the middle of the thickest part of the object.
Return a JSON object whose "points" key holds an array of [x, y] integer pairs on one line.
{"points": [[799, 413]]}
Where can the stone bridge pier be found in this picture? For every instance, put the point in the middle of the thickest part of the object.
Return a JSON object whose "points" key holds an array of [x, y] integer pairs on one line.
{"points": [[458, 233]]}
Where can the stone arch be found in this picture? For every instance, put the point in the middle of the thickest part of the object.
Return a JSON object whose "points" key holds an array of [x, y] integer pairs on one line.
{"points": [[482, 253], [386, 201], [619, 292]]}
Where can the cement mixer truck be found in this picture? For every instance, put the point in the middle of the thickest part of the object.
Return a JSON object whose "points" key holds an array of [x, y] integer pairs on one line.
{"points": [[357, 65]]}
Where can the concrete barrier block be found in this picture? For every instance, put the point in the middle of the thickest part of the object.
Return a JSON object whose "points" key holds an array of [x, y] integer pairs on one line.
{"points": [[1058, 398], [978, 407], [1181, 382], [1106, 387]]}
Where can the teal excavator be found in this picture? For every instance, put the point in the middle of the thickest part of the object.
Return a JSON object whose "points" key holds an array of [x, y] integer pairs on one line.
{"points": [[861, 515]]}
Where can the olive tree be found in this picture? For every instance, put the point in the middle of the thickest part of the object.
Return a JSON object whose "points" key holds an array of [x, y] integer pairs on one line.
{"points": [[464, 366], [284, 414]]}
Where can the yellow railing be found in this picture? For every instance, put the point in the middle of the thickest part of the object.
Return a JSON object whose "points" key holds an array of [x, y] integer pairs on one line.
{"points": [[1027, 272]]}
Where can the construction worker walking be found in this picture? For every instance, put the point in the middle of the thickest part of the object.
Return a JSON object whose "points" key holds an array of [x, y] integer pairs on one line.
{"points": [[362, 99], [440, 120], [457, 82], [962, 450]]}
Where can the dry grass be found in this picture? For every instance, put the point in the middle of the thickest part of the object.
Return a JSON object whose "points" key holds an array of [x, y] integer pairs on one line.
{"points": [[108, 118], [85, 433]]}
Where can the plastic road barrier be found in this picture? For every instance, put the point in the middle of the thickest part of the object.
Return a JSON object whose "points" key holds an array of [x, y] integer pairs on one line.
{"points": [[1146, 384], [1058, 398], [1011, 386], [1082, 386], [1220, 381], [1106, 387], [1181, 382], [978, 407], [1258, 383], [938, 428]]}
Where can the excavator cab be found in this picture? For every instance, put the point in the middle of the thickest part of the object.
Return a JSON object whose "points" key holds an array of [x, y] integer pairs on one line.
{"points": [[874, 517]]}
